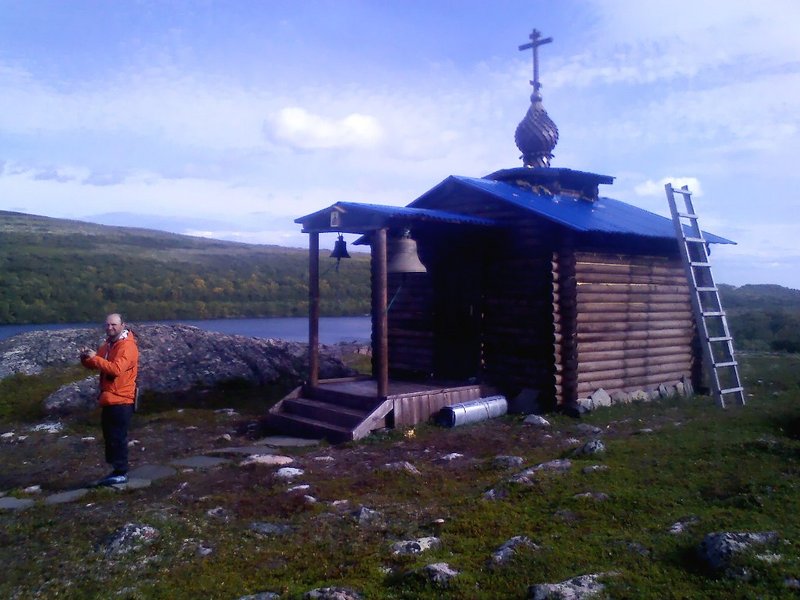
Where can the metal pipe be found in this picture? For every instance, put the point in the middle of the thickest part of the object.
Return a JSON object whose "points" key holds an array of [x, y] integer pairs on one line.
{"points": [[473, 411]]}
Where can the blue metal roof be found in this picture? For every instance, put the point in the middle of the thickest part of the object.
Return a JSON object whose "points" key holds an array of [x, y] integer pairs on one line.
{"points": [[603, 215], [360, 217]]}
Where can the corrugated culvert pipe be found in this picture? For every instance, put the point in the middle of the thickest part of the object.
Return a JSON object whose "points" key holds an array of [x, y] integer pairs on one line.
{"points": [[473, 411]]}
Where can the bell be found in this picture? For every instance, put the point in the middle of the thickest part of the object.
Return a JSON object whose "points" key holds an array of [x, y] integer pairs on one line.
{"points": [[402, 255], [340, 249]]}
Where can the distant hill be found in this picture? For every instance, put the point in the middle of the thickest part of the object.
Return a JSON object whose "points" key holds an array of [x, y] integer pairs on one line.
{"points": [[763, 317], [58, 270]]}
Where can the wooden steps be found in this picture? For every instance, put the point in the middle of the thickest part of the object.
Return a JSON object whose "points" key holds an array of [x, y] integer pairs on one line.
{"points": [[334, 415]]}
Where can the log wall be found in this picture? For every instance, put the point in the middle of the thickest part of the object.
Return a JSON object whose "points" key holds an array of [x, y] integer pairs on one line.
{"points": [[634, 324], [516, 332], [411, 342]]}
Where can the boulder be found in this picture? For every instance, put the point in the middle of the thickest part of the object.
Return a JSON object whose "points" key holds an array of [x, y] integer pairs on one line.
{"points": [[439, 574], [332, 593], [417, 546], [718, 549], [173, 358], [507, 550], [536, 421], [590, 448], [128, 538], [577, 588], [600, 398]]}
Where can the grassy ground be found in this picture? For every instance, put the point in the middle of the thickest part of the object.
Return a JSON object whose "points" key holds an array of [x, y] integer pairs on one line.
{"points": [[729, 470]]}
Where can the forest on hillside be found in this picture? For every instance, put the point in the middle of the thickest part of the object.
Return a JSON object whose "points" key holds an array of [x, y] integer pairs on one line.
{"points": [[55, 271], [763, 317], [60, 271]]}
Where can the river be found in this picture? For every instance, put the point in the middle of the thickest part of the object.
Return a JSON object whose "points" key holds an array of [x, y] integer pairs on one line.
{"points": [[331, 329]]}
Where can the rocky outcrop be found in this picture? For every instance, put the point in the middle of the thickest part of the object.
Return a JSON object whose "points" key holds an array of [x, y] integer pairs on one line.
{"points": [[173, 358]]}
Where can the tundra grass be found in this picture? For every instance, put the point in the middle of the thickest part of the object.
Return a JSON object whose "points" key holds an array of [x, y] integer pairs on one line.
{"points": [[685, 460]]}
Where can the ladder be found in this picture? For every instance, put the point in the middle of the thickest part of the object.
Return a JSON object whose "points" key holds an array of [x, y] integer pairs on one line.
{"points": [[712, 324]]}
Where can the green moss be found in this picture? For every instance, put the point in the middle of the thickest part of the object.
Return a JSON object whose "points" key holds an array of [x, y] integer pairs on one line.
{"points": [[736, 469], [21, 396]]}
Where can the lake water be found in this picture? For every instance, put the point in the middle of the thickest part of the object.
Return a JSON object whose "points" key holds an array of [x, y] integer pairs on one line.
{"points": [[331, 329]]}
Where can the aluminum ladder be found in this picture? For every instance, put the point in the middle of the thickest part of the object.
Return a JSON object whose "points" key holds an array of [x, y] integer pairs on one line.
{"points": [[715, 337]]}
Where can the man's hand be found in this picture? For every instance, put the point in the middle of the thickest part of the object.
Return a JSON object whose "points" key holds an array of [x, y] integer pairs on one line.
{"points": [[87, 353]]}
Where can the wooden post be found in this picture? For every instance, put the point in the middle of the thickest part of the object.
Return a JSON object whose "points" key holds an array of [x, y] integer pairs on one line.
{"points": [[313, 308], [380, 321]]}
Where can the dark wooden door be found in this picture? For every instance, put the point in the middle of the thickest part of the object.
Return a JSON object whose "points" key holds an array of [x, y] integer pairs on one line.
{"points": [[457, 318]]}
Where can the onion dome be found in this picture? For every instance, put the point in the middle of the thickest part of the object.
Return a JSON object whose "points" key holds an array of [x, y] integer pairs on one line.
{"points": [[536, 134]]}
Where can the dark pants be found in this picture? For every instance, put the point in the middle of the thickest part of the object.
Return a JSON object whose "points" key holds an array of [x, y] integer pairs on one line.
{"points": [[116, 419]]}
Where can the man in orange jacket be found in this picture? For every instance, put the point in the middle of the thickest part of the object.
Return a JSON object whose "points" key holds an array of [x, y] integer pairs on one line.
{"points": [[117, 359]]}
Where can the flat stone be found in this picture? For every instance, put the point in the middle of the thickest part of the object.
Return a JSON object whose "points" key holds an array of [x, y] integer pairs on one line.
{"points": [[238, 450], [594, 469], [417, 546], [288, 472], [263, 528], [64, 497], [199, 462], [266, 459], [151, 472], [11, 503], [403, 465], [287, 441], [134, 483], [451, 456], [683, 524], [536, 421]]}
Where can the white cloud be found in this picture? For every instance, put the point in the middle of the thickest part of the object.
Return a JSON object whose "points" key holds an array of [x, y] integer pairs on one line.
{"points": [[302, 129], [656, 188]]}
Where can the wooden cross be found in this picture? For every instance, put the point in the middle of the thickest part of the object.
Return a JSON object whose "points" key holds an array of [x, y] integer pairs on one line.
{"points": [[536, 41]]}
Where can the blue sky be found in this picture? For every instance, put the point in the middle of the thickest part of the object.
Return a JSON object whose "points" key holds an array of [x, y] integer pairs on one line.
{"points": [[230, 119]]}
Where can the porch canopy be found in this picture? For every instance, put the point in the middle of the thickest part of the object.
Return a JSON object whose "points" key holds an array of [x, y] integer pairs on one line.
{"points": [[373, 221]]}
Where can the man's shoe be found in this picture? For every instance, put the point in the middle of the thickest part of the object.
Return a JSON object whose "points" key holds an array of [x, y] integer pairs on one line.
{"points": [[113, 479]]}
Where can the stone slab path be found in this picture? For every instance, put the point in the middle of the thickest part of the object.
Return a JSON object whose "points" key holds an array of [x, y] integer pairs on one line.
{"points": [[144, 475]]}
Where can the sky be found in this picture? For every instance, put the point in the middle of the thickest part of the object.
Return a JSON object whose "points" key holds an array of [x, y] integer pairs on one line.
{"points": [[230, 119]]}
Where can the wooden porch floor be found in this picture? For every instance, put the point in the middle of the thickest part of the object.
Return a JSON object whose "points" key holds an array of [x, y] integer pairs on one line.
{"points": [[368, 388], [342, 409]]}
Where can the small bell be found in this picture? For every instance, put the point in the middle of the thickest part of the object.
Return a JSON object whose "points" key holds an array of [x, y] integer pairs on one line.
{"points": [[340, 249], [402, 255]]}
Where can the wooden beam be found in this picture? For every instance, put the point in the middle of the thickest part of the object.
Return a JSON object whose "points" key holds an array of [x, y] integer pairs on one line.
{"points": [[380, 321], [313, 308]]}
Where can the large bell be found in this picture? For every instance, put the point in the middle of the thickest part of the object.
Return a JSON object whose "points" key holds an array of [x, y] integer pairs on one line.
{"points": [[340, 249], [402, 255]]}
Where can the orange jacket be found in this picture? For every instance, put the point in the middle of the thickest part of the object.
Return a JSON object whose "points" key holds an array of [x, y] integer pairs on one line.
{"points": [[118, 363]]}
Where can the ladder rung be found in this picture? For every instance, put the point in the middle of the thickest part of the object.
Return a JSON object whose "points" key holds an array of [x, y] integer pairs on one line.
{"points": [[732, 390], [696, 240], [687, 215], [730, 363], [714, 313], [700, 264], [724, 338], [706, 289]]}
